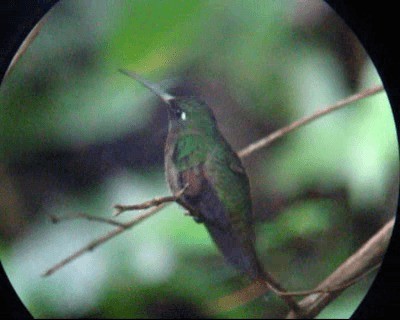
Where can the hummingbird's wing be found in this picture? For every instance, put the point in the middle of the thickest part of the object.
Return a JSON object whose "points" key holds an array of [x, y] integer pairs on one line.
{"points": [[224, 171], [220, 194]]}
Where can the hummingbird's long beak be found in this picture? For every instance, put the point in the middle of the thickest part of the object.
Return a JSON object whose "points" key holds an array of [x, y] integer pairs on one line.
{"points": [[166, 97]]}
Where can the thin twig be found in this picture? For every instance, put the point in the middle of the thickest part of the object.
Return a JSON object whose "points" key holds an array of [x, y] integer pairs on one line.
{"points": [[255, 290], [339, 287], [80, 215], [276, 287], [245, 152], [367, 256], [121, 227], [148, 204], [95, 243], [249, 293], [26, 43]]}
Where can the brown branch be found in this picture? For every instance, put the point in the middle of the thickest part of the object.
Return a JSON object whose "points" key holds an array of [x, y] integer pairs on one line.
{"points": [[95, 243], [249, 293], [148, 204], [157, 203], [264, 142], [276, 287], [26, 43], [257, 289], [365, 258], [340, 287], [56, 219]]}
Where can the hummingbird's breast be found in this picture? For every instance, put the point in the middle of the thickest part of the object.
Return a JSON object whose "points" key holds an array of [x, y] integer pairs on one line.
{"points": [[184, 152], [171, 171]]}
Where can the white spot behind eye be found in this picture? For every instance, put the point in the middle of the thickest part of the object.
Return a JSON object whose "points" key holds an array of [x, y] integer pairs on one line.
{"points": [[183, 116]]}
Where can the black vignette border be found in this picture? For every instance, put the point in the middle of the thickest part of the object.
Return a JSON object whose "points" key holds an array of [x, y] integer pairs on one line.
{"points": [[17, 19], [375, 25]]}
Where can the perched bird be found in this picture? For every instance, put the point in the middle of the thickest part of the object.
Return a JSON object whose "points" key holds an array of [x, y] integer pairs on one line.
{"points": [[217, 190]]}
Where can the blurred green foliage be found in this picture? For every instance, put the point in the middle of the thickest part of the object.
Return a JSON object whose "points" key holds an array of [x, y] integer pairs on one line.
{"points": [[261, 65]]}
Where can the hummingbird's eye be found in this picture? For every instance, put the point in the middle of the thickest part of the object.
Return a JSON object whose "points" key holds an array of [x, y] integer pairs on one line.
{"points": [[177, 111], [180, 114]]}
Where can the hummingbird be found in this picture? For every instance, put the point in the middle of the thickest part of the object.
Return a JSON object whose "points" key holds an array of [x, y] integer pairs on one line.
{"points": [[200, 160]]}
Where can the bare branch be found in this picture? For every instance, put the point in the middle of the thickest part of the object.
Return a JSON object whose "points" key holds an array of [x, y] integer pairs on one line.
{"points": [[276, 287], [157, 203], [249, 293], [256, 289], [264, 142], [80, 215], [365, 258], [25, 44], [148, 204], [92, 245], [145, 205], [340, 287]]}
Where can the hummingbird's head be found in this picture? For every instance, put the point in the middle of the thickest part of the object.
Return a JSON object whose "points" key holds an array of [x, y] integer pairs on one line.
{"points": [[190, 112], [184, 112]]}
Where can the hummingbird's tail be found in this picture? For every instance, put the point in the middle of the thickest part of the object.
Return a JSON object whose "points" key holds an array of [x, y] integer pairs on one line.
{"points": [[268, 284], [246, 260], [242, 255]]}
